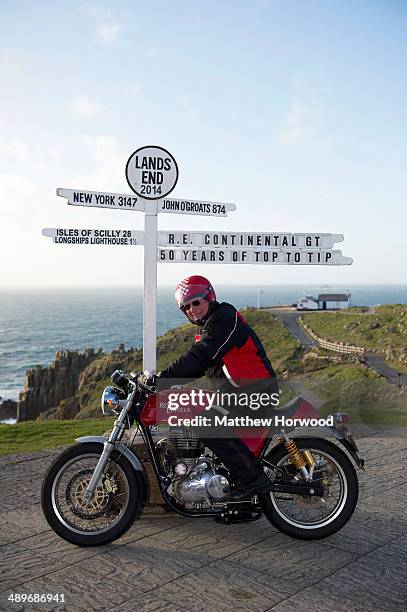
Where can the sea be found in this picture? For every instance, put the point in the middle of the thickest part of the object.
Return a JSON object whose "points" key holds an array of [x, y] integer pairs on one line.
{"points": [[35, 324]]}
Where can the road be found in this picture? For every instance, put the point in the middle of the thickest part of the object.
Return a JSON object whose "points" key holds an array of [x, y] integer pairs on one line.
{"points": [[290, 320]]}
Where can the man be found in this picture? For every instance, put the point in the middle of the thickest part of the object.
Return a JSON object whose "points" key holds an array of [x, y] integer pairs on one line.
{"points": [[226, 350]]}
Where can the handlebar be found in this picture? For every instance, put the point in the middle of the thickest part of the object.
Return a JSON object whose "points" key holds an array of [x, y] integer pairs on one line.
{"points": [[144, 381]]}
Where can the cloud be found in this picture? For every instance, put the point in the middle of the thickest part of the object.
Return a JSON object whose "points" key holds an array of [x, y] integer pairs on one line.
{"points": [[14, 150], [105, 170], [297, 125], [19, 201], [84, 106], [107, 26], [108, 31]]}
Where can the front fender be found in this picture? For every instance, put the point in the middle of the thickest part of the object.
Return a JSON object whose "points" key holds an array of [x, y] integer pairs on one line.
{"points": [[122, 448]]}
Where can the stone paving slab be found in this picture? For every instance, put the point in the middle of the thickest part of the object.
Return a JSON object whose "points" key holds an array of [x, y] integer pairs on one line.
{"points": [[225, 586], [83, 590], [22, 523], [361, 536], [215, 540], [144, 564], [149, 603], [363, 585], [174, 563], [297, 561]]}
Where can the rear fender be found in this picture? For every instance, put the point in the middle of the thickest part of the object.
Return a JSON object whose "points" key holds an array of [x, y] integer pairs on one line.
{"points": [[300, 408], [345, 437]]}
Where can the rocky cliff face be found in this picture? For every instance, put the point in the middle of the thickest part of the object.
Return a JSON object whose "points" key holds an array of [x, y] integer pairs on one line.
{"points": [[8, 409], [46, 388]]}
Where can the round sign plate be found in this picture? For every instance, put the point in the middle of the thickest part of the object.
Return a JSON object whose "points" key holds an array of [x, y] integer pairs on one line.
{"points": [[151, 172]]}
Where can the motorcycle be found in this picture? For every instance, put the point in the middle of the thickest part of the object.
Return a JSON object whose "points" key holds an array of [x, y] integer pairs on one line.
{"points": [[95, 490]]}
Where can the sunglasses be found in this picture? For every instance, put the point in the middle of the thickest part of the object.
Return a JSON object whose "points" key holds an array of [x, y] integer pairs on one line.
{"points": [[195, 303]]}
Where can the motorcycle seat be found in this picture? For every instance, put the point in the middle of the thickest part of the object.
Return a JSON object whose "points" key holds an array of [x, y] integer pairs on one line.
{"points": [[290, 407]]}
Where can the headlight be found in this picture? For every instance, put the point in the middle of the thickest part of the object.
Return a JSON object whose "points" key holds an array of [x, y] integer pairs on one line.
{"points": [[113, 399]]}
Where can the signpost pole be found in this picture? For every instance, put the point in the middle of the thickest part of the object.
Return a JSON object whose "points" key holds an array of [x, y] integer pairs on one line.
{"points": [[150, 288]]}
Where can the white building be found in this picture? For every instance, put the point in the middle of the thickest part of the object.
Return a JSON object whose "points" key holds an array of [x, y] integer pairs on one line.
{"points": [[324, 301]]}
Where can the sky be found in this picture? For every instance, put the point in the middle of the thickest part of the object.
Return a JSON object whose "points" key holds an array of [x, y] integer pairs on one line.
{"points": [[295, 110]]}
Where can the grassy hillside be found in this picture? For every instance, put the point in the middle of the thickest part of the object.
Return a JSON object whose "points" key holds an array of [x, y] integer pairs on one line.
{"points": [[37, 435], [385, 327], [360, 392]]}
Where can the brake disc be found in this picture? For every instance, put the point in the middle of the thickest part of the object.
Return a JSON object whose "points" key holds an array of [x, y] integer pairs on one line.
{"points": [[99, 503]]}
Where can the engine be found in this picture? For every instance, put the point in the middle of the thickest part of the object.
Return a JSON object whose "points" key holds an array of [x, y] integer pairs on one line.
{"points": [[202, 485], [198, 481]]}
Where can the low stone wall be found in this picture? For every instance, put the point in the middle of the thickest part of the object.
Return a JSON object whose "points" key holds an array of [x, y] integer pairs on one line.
{"points": [[155, 503]]}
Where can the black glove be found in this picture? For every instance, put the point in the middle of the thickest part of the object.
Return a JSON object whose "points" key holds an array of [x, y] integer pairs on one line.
{"points": [[147, 381]]}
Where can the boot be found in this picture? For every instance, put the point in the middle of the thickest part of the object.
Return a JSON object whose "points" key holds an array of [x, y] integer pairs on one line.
{"points": [[247, 490]]}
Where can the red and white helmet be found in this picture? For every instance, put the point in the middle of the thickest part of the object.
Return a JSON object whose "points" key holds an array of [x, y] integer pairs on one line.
{"points": [[193, 287]]}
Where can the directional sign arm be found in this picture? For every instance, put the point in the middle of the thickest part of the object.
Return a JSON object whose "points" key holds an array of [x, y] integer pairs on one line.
{"points": [[102, 199], [111, 237], [296, 257], [189, 206], [244, 240]]}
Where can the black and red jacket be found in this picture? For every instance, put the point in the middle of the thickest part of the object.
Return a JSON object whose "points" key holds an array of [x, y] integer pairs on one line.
{"points": [[227, 348]]}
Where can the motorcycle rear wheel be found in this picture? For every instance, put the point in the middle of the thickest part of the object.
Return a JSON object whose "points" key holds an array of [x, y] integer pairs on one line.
{"points": [[113, 508], [306, 517]]}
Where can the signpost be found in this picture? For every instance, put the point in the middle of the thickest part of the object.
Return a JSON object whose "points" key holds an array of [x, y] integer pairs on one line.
{"points": [[152, 174]]}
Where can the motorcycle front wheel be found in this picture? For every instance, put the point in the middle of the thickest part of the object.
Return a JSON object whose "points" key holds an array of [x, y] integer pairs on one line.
{"points": [[114, 506], [308, 517]]}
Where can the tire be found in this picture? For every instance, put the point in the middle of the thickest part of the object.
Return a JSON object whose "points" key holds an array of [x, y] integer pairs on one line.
{"points": [[77, 523], [307, 526]]}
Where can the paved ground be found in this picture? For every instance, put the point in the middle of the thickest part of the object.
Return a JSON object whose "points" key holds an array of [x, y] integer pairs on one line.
{"points": [[377, 363], [171, 563]]}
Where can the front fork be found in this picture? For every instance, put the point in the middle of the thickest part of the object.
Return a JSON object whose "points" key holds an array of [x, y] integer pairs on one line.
{"points": [[108, 447]]}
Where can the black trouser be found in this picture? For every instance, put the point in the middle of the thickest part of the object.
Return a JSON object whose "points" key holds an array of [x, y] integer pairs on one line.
{"points": [[236, 457], [222, 441]]}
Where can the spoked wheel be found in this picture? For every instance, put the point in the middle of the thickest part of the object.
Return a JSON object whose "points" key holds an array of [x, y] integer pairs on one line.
{"points": [[114, 506], [309, 517]]}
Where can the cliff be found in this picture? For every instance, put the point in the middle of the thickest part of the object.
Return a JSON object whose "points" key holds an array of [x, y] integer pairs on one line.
{"points": [[8, 409], [45, 388]]}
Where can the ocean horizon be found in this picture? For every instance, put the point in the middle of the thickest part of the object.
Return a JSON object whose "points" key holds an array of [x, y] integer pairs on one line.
{"points": [[36, 323]]}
